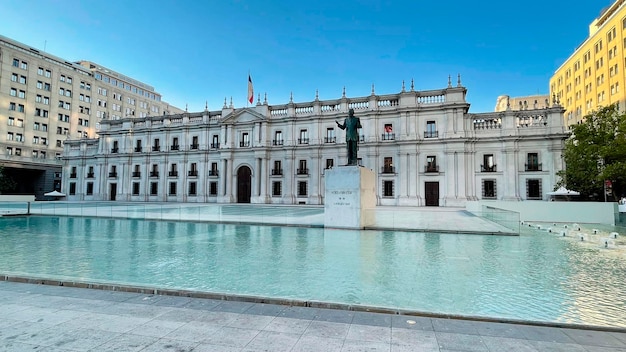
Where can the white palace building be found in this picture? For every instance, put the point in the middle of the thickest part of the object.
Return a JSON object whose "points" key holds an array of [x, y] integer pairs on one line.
{"points": [[425, 147]]}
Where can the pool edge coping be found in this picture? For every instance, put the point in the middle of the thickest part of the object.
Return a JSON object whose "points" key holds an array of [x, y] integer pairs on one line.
{"points": [[291, 302]]}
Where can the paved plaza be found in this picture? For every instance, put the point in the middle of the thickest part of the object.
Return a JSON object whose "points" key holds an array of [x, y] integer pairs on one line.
{"points": [[55, 319]]}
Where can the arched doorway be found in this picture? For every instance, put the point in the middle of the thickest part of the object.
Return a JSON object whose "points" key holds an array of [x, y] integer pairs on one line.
{"points": [[244, 184]]}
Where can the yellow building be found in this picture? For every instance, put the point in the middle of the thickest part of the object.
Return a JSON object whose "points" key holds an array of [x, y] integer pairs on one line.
{"points": [[593, 76]]}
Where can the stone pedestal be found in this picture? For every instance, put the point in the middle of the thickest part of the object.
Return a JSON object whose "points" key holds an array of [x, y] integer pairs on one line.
{"points": [[350, 197]]}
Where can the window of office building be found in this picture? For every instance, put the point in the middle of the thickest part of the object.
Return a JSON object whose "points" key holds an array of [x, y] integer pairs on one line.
{"points": [[212, 188], [72, 188], [489, 189], [172, 188], [154, 188], [302, 188], [277, 188], [192, 188], [388, 188]]}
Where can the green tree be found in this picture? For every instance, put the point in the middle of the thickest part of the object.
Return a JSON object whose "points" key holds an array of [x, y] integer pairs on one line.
{"points": [[595, 152], [7, 184]]}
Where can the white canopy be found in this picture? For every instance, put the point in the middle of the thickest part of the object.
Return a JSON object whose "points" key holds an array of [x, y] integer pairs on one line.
{"points": [[54, 194], [562, 191]]}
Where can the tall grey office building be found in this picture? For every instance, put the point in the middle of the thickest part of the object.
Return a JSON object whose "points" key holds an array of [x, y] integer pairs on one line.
{"points": [[46, 100]]}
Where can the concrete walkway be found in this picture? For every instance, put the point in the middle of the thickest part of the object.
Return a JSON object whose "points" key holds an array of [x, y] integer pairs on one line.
{"points": [[54, 319]]}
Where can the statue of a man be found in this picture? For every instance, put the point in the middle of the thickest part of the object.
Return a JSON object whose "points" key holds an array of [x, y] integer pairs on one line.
{"points": [[351, 124]]}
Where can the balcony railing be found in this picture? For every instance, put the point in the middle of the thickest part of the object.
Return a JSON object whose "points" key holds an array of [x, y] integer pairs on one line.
{"points": [[330, 139], [138, 149], [192, 173], [154, 174], [112, 174], [533, 167], [136, 173], [156, 148], [173, 173], [388, 170], [244, 143], [488, 168], [431, 168], [303, 141], [277, 172], [388, 136], [90, 175], [215, 145], [214, 173], [431, 134], [302, 171], [194, 146], [115, 150], [175, 147], [73, 175], [277, 142]]}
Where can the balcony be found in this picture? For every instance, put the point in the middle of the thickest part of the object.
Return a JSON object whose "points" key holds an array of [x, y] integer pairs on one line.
{"points": [[487, 168], [138, 149], [277, 172], [73, 175], [113, 174], [277, 142], [244, 143], [330, 139], [431, 168], [193, 173], [194, 146], [214, 173], [303, 141], [215, 145], [388, 136], [302, 171], [136, 173], [431, 134], [156, 148], [173, 173], [175, 147], [388, 170], [90, 175], [533, 167], [115, 150], [154, 174]]}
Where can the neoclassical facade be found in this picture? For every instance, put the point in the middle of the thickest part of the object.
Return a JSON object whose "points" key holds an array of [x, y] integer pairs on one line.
{"points": [[424, 146]]}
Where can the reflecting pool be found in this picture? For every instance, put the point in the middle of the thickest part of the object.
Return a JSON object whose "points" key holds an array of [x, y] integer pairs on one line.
{"points": [[537, 276]]}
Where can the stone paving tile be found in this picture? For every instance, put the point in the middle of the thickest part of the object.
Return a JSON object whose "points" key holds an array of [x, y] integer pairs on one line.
{"points": [[219, 318], [594, 338], [127, 343], [233, 306], [17, 346], [156, 328], [361, 346], [369, 333], [316, 344], [245, 321], [35, 333], [233, 337], [375, 319], [603, 349], [455, 326], [507, 344], [543, 333], [299, 313], [498, 329], [194, 331], [182, 315], [460, 342], [334, 315], [119, 324], [202, 304], [327, 329], [83, 304], [203, 347], [411, 348], [411, 322], [82, 339], [290, 325], [167, 345], [272, 341], [266, 309], [45, 315], [545, 346], [417, 338]]}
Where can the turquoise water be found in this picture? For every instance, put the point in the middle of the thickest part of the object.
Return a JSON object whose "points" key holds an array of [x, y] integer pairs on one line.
{"points": [[537, 276]]}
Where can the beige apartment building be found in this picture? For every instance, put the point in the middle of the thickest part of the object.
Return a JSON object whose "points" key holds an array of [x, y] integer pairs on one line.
{"points": [[46, 100], [593, 76], [529, 102]]}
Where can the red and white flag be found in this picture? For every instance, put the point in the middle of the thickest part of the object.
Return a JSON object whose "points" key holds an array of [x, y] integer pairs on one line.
{"points": [[388, 129], [250, 90]]}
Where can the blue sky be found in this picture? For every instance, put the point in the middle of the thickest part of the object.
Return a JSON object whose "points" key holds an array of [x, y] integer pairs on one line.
{"points": [[202, 51]]}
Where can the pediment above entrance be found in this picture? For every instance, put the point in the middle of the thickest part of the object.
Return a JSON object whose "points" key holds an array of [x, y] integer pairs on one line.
{"points": [[245, 115]]}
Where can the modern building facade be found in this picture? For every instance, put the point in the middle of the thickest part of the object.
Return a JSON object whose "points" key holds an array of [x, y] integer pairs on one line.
{"points": [[594, 75], [425, 148], [44, 100]]}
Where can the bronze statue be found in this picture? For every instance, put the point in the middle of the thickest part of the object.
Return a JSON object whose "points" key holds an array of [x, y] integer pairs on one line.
{"points": [[351, 124]]}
